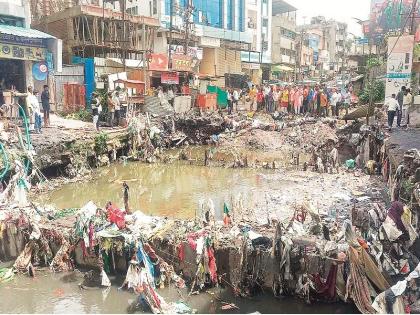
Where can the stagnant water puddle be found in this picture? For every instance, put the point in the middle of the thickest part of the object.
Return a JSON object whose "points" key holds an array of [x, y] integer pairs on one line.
{"points": [[174, 190], [60, 294]]}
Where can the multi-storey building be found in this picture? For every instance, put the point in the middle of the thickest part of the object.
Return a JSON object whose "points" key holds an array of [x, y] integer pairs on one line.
{"points": [[283, 33], [328, 39]]}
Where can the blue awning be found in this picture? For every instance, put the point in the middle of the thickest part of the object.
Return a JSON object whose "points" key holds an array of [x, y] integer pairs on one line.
{"points": [[23, 32]]}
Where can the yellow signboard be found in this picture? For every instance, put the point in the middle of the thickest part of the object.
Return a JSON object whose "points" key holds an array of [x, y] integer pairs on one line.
{"points": [[10, 51]]}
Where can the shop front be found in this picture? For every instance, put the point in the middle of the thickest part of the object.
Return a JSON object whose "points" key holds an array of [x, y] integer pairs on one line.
{"points": [[27, 57]]}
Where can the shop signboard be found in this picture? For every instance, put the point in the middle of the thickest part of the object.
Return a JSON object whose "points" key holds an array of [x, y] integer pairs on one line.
{"points": [[194, 52], [20, 40], [21, 52], [169, 78], [181, 62], [399, 63], [158, 62]]}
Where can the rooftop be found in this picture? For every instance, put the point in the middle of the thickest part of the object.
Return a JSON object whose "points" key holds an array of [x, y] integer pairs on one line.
{"points": [[281, 6]]}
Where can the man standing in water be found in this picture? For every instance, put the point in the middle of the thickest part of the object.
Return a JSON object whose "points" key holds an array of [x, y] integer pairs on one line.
{"points": [[126, 190]]}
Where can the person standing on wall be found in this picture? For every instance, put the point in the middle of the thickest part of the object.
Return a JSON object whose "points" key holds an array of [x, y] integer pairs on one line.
{"points": [[392, 107], [117, 106], [45, 101], [111, 109], [400, 99], [96, 110]]}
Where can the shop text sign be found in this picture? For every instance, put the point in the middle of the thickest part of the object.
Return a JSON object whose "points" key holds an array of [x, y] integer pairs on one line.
{"points": [[22, 52], [181, 62], [169, 78]]}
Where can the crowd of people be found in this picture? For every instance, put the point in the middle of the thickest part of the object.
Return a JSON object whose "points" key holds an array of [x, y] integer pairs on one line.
{"points": [[294, 99]]}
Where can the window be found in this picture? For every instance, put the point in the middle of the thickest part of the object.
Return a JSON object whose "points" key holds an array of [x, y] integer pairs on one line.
{"points": [[12, 21], [265, 22], [154, 7]]}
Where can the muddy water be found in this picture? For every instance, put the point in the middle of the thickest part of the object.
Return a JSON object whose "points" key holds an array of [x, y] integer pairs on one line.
{"points": [[60, 293], [173, 190]]}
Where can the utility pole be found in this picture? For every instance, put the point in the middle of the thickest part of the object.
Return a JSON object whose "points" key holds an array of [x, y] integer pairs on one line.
{"points": [[171, 12], [413, 16], [188, 13]]}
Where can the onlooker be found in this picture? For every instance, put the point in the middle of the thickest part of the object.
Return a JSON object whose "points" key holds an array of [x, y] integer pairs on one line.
{"points": [[96, 110], [335, 99], [229, 101], [400, 99], [111, 109], [37, 112], [45, 100], [171, 96], [407, 101], [392, 106], [260, 99], [235, 98]]}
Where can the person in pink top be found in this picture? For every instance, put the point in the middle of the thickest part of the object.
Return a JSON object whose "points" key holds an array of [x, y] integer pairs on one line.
{"points": [[291, 98], [298, 99]]}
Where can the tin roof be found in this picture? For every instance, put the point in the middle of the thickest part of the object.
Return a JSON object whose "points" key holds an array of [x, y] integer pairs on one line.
{"points": [[23, 32]]}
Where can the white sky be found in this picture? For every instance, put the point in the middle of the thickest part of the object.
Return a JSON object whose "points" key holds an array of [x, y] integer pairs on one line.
{"points": [[340, 10]]}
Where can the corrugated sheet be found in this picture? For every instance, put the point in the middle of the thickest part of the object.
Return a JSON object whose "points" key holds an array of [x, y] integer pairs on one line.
{"points": [[23, 32], [70, 73]]}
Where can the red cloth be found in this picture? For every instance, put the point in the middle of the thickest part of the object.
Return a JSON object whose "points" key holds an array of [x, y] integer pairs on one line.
{"points": [[116, 216], [181, 252], [212, 265], [327, 289], [150, 252]]}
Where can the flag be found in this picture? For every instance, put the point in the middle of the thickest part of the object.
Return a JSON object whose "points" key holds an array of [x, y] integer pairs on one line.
{"points": [[226, 215]]}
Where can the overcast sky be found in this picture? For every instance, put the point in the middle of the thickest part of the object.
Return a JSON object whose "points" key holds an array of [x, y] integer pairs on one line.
{"points": [[340, 10]]}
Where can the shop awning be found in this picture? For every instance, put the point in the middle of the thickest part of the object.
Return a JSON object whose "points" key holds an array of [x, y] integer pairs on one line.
{"points": [[281, 68], [23, 32]]}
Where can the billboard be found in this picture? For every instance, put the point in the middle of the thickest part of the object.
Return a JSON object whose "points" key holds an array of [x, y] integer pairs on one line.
{"points": [[399, 64], [391, 15], [158, 62]]}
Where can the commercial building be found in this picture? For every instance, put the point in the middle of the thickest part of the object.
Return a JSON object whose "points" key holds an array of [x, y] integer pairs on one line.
{"points": [[328, 40], [27, 56], [284, 37]]}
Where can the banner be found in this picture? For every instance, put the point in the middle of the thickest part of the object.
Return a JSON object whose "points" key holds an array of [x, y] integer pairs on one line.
{"points": [[399, 63], [169, 78], [8, 51], [181, 63], [158, 62]]}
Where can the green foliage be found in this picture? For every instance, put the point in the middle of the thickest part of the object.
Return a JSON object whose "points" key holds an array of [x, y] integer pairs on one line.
{"points": [[82, 115], [378, 92], [373, 62], [101, 143]]}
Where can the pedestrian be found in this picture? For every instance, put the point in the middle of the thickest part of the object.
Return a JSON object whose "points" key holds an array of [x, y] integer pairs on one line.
{"points": [[235, 99], [318, 101], [407, 100], [45, 100], [252, 95], [171, 96], [323, 103], [117, 107], [392, 106], [260, 99], [229, 101], [96, 110], [305, 102], [36, 111], [28, 110], [285, 99], [123, 97], [270, 101], [111, 109], [335, 98], [400, 99], [298, 99]]}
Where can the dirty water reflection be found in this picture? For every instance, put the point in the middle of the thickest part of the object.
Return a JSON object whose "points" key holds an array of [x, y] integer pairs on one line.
{"points": [[173, 190], [60, 294]]}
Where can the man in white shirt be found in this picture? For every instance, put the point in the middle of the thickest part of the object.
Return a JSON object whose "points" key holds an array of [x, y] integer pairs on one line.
{"points": [[235, 98], [335, 98], [171, 97], [392, 107], [407, 101]]}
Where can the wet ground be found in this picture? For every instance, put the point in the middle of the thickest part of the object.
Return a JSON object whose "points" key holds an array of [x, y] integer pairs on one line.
{"points": [[60, 293], [177, 190]]}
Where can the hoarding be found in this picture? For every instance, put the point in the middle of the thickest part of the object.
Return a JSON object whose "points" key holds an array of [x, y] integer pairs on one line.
{"points": [[399, 64], [194, 52], [181, 63], [158, 62]]}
